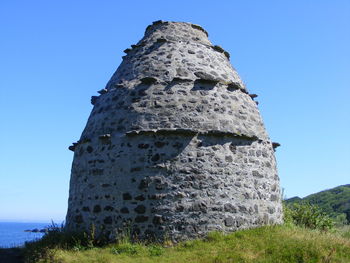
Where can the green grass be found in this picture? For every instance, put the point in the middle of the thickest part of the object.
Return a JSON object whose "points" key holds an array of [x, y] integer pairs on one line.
{"points": [[344, 231], [265, 244]]}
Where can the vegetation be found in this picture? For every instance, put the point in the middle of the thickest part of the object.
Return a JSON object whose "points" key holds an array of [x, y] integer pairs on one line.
{"points": [[334, 202], [285, 243], [307, 236], [307, 216]]}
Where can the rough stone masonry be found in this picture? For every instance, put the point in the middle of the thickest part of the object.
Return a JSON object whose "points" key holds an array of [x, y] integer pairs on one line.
{"points": [[175, 146]]}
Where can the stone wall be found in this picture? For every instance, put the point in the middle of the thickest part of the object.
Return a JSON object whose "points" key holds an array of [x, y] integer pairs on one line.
{"points": [[174, 146]]}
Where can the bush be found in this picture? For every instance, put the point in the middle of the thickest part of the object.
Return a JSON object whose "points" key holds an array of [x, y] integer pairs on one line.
{"points": [[308, 216], [57, 237], [340, 220]]}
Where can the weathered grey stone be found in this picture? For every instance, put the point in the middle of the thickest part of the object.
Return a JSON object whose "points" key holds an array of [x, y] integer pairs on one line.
{"points": [[230, 208], [158, 219], [174, 146], [97, 209], [124, 210], [127, 196], [108, 220], [140, 209]]}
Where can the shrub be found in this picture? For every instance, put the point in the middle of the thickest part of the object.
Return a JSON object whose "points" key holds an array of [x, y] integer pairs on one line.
{"points": [[57, 237], [306, 215], [340, 220]]}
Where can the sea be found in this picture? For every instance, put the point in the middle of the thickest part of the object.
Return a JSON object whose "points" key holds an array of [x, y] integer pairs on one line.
{"points": [[13, 234]]}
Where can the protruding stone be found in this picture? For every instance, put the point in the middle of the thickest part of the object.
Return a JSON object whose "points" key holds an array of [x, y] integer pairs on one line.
{"points": [[275, 145], [72, 148], [127, 50], [161, 40], [218, 49], [200, 28], [232, 86], [94, 99], [227, 54], [253, 96], [103, 91], [148, 80], [206, 77], [105, 136]]}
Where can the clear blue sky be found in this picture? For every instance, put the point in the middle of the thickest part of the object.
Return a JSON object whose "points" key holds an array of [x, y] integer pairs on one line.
{"points": [[55, 54]]}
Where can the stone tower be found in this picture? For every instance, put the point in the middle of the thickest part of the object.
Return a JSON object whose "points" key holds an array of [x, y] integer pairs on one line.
{"points": [[174, 146]]}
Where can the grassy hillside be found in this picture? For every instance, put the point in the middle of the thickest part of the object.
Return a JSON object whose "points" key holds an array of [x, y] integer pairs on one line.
{"points": [[335, 201], [262, 245]]}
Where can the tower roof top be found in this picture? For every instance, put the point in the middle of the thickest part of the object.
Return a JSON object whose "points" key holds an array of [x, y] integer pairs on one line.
{"points": [[175, 78], [171, 50]]}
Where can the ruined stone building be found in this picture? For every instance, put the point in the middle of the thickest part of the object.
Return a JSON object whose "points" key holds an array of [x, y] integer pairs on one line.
{"points": [[174, 146]]}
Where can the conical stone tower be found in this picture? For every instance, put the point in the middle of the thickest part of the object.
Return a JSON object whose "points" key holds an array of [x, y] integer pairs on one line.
{"points": [[174, 146]]}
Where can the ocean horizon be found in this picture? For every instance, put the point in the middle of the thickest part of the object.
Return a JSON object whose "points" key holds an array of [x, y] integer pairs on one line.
{"points": [[12, 234]]}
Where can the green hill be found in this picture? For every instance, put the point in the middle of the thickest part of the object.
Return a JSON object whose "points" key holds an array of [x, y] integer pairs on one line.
{"points": [[335, 201]]}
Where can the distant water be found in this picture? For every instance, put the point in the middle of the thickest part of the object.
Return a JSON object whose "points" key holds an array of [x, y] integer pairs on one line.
{"points": [[12, 234]]}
